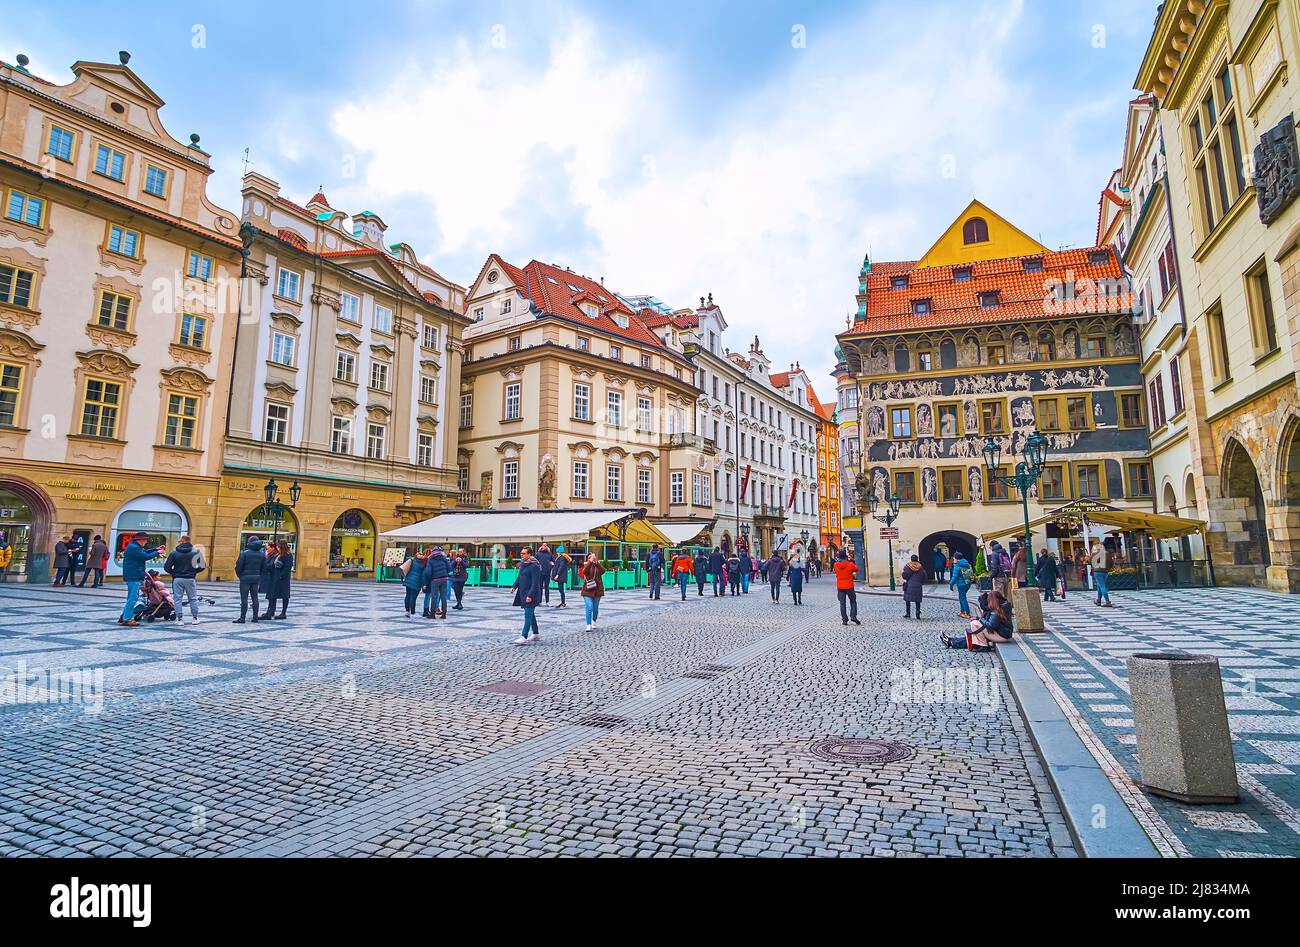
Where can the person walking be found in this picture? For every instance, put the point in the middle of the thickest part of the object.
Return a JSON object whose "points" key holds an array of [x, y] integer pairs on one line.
{"points": [[913, 587], [61, 560], [963, 577], [248, 569], [545, 558], [528, 595], [701, 571], [1100, 562], [798, 575], [460, 575], [437, 577], [1046, 574], [134, 558], [560, 569], [733, 573], [279, 577], [1020, 568], [940, 560], [746, 569], [774, 572], [654, 567], [184, 564], [413, 581], [593, 588], [718, 571], [6, 556], [845, 570], [999, 566], [683, 569]]}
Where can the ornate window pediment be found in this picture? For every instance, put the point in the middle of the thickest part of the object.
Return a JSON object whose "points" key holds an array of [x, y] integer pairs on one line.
{"points": [[427, 423], [280, 391], [18, 347], [381, 350], [510, 449], [286, 321], [111, 364], [348, 341], [378, 412], [185, 379], [582, 448], [343, 405]]}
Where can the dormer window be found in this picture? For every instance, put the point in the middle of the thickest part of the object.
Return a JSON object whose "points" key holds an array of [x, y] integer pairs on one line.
{"points": [[976, 230], [920, 307], [622, 321], [899, 282], [111, 163], [1034, 265], [590, 310], [572, 287], [1099, 258], [963, 274], [991, 299]]}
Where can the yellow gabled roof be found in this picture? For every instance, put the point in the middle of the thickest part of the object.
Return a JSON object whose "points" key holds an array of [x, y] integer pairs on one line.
{"points": [[1005, 241]]}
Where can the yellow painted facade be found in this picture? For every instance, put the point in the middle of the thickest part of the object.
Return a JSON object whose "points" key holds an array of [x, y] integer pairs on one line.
{"points": [[1001, 240]]}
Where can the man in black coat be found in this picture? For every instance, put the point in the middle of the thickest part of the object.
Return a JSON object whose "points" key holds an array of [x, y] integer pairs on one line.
{"points": [[545, 559], [718, 569], [248, 567]]}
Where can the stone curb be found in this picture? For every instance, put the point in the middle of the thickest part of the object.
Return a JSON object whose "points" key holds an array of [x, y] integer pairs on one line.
{"points": [[1079, 782]]}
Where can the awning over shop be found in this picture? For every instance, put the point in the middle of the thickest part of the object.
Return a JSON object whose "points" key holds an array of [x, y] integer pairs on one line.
{"points": [[683, 534], [1158, 525], [492, 526]]}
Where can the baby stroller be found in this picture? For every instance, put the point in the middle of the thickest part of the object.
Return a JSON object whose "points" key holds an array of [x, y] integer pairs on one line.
{"points": [[155, 600]]}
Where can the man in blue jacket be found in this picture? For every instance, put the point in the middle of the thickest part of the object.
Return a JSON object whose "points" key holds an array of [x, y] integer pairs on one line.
{"points": [[654, 567], [528, 594], [746, 569], [437, 574], [134, 559], [718, 570]]}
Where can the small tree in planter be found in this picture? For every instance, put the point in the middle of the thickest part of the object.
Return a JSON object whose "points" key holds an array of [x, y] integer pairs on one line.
{"points": [[982, 571]]}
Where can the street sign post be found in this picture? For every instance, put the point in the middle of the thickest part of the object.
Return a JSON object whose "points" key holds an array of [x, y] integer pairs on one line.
{"points": [[890, 533]]}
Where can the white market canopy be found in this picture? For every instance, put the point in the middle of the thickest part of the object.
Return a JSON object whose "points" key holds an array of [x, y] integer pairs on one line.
{"points": [[682, 534], [505, 526]]}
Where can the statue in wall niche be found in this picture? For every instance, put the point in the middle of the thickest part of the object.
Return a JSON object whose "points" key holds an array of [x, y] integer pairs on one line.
{"points": [[1020, 349], [972, 418], [929, 486], [924, 421], [876, 422], [880, 484], [546, 479], [976, 485], [968, 354], [862, 488], [1124, 344], [1070, 344]]}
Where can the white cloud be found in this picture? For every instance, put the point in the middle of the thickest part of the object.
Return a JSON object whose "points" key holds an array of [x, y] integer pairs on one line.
{"points": [[580, 154]]}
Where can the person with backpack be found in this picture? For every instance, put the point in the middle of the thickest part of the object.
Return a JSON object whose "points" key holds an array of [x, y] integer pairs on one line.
{"points": [[593, 588], [528, 595], [733, 573], [654, 567], [134, 558], [248, 569], [460, 575], [746, 569], [276, 580], [1100, 562], [913, 587], [184, 565], [718, 571], [560, 569], [963, 577]]}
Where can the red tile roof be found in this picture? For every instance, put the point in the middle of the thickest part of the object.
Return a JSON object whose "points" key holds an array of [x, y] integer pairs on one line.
{"points": [[953, 304], [780, 380], [548, 287], [292, 236], [319, 198]]}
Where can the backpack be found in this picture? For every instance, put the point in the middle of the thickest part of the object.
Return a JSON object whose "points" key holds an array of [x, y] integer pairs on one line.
{"points": [[197, 562], [967, 575]]}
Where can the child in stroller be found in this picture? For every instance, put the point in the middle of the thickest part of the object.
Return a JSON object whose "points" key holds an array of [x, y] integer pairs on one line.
{"points": [[155, 600]]}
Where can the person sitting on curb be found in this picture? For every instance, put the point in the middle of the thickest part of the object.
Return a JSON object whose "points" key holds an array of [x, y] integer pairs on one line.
{"points": [[993, 627]]}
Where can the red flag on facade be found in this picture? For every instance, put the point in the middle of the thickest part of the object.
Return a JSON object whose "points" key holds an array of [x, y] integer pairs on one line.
{"points": [[744, 487], [793, 490]]}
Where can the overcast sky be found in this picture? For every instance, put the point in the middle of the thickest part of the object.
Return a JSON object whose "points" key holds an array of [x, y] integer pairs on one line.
{"points": [[753, 150]]}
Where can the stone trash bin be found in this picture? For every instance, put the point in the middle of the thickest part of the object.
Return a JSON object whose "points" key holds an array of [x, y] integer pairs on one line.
{"points": [[1183, 742]]}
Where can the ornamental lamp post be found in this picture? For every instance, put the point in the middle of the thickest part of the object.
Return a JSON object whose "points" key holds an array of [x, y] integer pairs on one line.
{"points": [[887, 516], [276, 508], [1028, 472]]}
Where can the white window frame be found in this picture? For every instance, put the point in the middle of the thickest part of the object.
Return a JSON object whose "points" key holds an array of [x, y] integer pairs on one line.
{"points": [[280, 342], [428, 390], [510, 480], [614, 482], [379, 376], [467, 410], [644, 485], [614, 408], [382, 321], [376, 441], [288, 284], [350, 308], [281, 423], [340, 435], [424, 450], [581, 480], [582, 401], [513, 403], [677, 488]]}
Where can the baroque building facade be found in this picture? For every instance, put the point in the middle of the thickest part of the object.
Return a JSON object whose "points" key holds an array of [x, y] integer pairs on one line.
{"points": [[1218, 73], [990, 334], [348, 360], [118, 299], [567, 400]]}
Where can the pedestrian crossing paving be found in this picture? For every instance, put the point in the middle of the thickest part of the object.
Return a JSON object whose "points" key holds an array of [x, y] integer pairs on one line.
{"points": [[1256, 637]]}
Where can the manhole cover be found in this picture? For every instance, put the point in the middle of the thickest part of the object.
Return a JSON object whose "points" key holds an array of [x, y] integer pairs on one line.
{"points": [[860, 751], [717, 668], [516, 688], [603, 721]]}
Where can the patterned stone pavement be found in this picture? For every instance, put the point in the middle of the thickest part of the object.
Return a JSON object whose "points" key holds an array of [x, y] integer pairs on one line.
{"points": [[1256, 636], [676, 730]]}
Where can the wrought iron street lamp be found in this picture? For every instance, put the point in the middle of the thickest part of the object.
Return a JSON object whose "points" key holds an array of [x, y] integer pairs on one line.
{"points": [[275, 507], [1028, 472], [888, 516]]}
